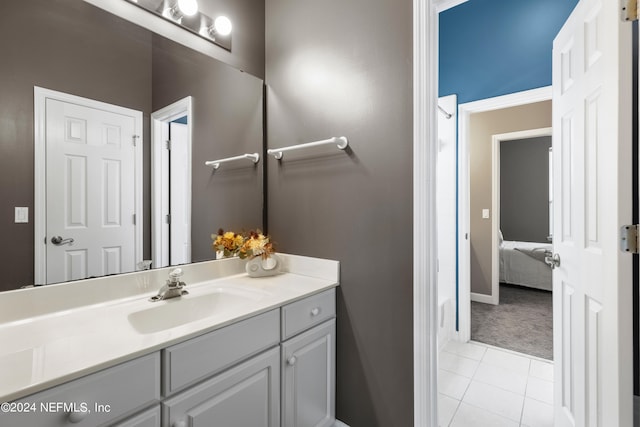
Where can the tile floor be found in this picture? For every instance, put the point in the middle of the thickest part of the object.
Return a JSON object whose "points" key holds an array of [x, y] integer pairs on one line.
{"points": [[481, 385]]}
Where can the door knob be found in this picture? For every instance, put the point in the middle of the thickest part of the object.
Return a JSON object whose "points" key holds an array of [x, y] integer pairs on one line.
{"points": [[58, 240], [552, 261]]}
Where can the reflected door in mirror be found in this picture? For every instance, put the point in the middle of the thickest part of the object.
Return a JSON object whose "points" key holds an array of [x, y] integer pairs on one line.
{"points": [[90, 204]]}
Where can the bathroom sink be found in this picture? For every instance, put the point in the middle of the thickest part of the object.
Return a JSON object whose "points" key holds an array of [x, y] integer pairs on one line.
{"points": [[167, 314]]}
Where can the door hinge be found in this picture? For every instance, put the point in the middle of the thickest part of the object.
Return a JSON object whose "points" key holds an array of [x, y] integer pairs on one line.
{"points": [[135, 140], [134, 219], [168, 218], [629, 10], [169, 144], [629, 239]]}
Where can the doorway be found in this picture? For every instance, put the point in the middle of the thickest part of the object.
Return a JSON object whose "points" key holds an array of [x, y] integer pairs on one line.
{"points": [[517, 313], [171, 136], [468, 371], [466, 112], [592, 82]]}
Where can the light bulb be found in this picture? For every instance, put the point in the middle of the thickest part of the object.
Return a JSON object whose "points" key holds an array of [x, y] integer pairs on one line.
{"points": [[188, 7], [222, 25]]}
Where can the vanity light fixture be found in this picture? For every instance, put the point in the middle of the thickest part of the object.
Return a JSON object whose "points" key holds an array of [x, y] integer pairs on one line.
{"points": [[188, 7], [186, 14], [181, 9], [221, 26]]}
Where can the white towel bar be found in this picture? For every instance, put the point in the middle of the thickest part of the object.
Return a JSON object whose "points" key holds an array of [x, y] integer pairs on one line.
{"points": [[255, 158], [341, 141]]}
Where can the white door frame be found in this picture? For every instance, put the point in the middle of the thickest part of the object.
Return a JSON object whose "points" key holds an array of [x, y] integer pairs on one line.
{"points": [[494, 298], [160, 178], [425, 140], [40, 163], [425, 286]]}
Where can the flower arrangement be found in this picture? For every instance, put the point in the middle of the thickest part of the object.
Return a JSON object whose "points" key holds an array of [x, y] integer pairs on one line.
{"points": [[228, 243], [248, 245]]}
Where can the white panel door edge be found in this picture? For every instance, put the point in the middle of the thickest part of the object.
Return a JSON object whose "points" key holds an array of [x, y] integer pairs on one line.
{"points": [[446, 217], [180, 190], [592, 295]]}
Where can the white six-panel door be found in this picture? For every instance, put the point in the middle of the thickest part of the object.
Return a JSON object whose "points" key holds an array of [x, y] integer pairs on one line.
{"points": [[592, 192], [90, 192]]}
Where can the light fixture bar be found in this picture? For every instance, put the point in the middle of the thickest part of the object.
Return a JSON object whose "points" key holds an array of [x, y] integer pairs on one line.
{"points": [[178, 12]]}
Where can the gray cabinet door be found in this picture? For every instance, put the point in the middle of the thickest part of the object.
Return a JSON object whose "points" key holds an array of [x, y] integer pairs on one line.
{"points": [[308, 378], [246, 395]]}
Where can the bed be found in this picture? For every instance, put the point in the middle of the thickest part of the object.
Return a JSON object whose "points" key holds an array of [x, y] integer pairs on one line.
{"points": [[522, 263]]}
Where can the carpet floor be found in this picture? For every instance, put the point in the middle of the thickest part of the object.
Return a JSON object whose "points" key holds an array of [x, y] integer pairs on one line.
{"points": [[523, 321]]}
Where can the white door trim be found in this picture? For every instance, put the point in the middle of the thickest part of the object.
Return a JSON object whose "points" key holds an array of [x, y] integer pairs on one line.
{"points": [[464, 118], [425, 298], [159, 178], [39, 141], [495, 202]]}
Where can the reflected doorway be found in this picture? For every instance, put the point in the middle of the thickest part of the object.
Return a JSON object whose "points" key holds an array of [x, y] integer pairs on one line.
{"points": [[171, 184]]}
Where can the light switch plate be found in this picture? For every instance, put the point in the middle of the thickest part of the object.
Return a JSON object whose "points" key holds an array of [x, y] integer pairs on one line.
{"points": [[22, 215], [485, 213]]}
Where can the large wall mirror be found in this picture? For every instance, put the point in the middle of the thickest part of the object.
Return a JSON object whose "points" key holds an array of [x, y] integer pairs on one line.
{"points": [[65, 61]]}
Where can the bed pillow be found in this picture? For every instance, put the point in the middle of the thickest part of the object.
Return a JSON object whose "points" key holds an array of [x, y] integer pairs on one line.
{"points": [[500, 238]]}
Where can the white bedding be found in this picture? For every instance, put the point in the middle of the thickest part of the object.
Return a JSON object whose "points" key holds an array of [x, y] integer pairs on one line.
{"points": [[522, 263]]}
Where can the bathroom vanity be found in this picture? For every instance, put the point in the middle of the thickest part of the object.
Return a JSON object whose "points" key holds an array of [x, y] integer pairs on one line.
{"points": [[235, 351]]}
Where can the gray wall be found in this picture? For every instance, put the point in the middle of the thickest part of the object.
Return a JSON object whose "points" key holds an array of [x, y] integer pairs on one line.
{"points": [[345, 68], [482, 127], [524, 189], [227, 106], [108, 60], [247, 16]]}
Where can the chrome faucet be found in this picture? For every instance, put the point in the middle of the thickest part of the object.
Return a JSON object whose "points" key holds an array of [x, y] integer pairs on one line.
{"points": [[173, 288]]}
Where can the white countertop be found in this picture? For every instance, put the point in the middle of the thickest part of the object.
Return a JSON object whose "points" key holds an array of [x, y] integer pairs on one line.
{"points": [[52, 347]]}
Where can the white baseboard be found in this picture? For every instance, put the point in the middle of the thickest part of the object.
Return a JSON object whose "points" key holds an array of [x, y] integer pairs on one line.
{"points": [[340, 424], [487, 299]]}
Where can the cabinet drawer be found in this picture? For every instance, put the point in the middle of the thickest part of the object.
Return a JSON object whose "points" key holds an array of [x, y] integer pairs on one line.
{"points": [[198, 358], [302, 315], [108, 395], [246, 395]]}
